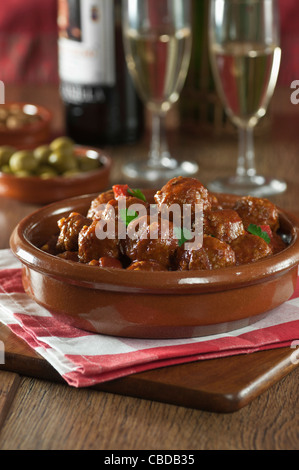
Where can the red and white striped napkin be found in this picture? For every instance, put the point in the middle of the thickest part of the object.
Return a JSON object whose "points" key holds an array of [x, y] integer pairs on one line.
{"points": [[84, 359]]}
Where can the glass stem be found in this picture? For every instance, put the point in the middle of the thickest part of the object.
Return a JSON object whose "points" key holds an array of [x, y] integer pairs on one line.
{"points": [[246, 158], [159, 147]]}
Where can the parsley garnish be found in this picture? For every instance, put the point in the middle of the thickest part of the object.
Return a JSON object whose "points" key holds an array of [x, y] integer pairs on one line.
{"points": [[127, 215], [256, 230], [182, 234], [137, 193]]}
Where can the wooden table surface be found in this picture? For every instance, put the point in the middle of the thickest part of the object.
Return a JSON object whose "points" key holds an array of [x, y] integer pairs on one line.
{"points": [[39, 414]]}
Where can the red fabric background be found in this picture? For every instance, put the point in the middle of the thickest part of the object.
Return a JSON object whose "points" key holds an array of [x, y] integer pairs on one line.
{"points": [[289, 14], [28, 41]]}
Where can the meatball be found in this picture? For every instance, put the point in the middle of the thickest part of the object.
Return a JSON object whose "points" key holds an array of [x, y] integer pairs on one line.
{"points": [[215, 204], [119, 210], [125, 232], [69, 256], [70, 228], [110, 233], [181, 191], [225, 224], [50, 245], [106, 262], [91, 247], [214, 254], [146, 266], [97, 205], [150, 244], [277, 244], [249, 248], [253, 210]]}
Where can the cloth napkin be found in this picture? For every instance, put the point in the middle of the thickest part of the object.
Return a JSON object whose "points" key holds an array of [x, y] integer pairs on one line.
{"points": [[84, 359]]}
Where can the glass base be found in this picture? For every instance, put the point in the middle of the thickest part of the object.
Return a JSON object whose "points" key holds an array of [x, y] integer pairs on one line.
{"points": [[257, 186], [168, 169]]}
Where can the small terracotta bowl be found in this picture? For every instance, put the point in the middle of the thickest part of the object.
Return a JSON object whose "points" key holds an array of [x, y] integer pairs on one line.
{"points": [[29, 135], [151, 304], [36, 190]]}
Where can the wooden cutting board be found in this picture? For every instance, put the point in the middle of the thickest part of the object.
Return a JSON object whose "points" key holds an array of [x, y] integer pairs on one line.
{"points": [[218, 385]]}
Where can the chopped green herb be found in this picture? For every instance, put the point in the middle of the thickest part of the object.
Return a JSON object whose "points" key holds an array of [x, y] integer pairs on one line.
{"points": [[182, 234], [256, 230], [137, 193], [127, 216]]}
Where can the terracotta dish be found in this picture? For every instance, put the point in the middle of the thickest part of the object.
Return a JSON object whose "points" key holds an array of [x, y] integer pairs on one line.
{"points": [[29, 134], [151, 304], [36, 190]]}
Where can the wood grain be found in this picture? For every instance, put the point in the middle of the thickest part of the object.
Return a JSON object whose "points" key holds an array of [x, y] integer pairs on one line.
{"points": [[8, 386], [62, 418]]}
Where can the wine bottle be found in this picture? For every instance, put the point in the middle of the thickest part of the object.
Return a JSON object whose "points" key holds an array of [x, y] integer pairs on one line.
{"points": [[101, 104]]}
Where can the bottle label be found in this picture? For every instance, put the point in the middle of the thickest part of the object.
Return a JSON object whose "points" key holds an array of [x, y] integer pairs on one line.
{"points": [[86, 49]]}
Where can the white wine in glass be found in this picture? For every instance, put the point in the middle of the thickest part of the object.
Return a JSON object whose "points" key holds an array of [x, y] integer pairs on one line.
{"points": [[245, 59], [158, 39]]}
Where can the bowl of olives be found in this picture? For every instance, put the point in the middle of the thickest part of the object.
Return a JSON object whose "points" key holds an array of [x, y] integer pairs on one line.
{"points": [[52, 172], [24, 125]]}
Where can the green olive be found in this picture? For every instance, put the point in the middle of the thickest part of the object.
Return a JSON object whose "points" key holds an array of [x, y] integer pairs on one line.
{"points": [[42, 153], [23, 173], [70, 173], [6, 152], [46, 171], [62, 161], [64, 144], [3, 114], [23, 160], [6, 169], [47, 174], [88, 164]]}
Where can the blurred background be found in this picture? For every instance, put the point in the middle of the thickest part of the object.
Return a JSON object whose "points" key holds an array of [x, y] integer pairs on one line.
{"points": [[28, 44], [28, 41]]}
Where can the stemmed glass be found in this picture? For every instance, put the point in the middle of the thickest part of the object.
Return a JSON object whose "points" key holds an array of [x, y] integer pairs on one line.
{"points": [[245, 59], [157, 40]]}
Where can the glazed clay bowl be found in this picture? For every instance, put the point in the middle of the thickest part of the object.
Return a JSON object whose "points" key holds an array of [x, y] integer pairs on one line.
{"points": [[151, 304], [36, 190], [30, 135]]}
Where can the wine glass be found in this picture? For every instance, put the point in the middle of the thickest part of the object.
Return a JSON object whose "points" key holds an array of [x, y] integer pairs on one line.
{"points": [[245, 60], [157, 41]]}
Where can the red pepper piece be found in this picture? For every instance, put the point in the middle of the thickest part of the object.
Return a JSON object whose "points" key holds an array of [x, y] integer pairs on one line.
{"points": [[120, 190], [108, 262], [267, 229]]}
